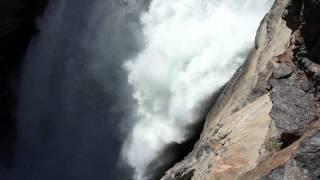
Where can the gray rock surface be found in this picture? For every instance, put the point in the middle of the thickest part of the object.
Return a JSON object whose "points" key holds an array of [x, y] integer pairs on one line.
{"points": [[293, 109], [282, 71], [277, 174], [306, 85], [308, 156]]}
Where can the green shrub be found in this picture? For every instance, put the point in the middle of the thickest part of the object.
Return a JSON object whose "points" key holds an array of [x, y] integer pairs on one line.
{"points": [[273, 144]]}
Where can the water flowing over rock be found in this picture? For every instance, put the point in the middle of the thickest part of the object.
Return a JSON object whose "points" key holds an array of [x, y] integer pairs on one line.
{"points": [[190, 53], [108, 84], [281, 74]]}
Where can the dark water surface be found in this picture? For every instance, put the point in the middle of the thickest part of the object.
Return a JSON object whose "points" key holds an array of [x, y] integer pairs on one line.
{"points": [[74, 98]]}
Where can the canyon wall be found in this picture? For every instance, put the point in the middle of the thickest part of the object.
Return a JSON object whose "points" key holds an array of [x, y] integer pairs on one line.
{"points": [[265, 124]]}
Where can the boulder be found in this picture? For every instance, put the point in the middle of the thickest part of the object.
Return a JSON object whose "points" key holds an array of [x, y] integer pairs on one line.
{"points": [[293, 109]]}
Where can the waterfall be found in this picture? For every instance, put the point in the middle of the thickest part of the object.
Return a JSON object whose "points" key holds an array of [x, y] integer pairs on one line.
{"points": [[191, 49], [74, 94], [108, 84]]}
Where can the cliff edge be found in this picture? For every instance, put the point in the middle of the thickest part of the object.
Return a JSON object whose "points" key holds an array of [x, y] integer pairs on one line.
{"points": [[265, 124]]}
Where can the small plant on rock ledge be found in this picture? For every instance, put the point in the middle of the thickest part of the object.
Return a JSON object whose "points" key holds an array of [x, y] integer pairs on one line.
{"points": [[274, 144]]}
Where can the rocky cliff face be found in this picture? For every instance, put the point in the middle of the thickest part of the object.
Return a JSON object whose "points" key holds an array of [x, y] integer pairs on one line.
{"points": [[17, 26], [265, 125]]}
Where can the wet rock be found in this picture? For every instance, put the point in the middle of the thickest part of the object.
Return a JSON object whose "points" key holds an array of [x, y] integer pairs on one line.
{"points": [[282, 71], [293, 110]]}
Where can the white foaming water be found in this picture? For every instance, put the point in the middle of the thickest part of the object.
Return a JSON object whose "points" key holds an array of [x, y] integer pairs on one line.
{"points": [[192, 48]]}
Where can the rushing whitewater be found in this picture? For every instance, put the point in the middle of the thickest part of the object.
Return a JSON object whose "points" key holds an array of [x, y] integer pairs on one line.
{"points": [[75, 96], [191, 49]]}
